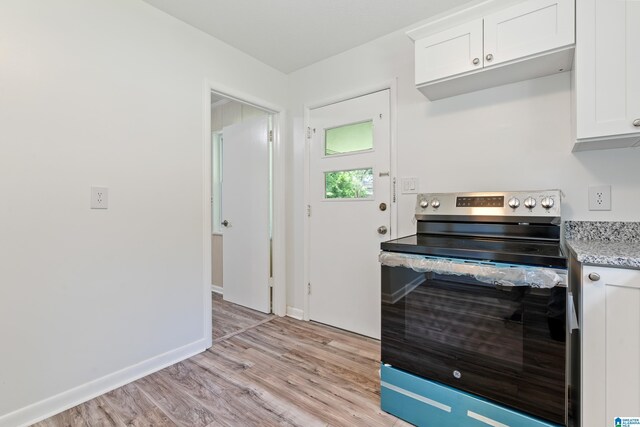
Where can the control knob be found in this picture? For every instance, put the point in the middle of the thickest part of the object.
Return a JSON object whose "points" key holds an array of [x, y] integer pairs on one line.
{"points": [[435, 203], [514, 202], [546, 202], [529, 203], [424, 204]]}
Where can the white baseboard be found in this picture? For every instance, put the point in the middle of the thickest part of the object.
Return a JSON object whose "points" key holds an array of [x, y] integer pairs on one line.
{"points": [[296, 313], [217, 289], [68, 399]]}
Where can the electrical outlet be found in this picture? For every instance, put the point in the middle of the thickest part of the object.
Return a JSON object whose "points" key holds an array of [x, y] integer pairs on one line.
{"points": [[99, 197], [600, 198]]}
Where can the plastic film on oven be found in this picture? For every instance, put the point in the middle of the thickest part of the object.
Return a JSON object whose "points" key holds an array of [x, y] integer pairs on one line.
{"points": [[499, 274]]}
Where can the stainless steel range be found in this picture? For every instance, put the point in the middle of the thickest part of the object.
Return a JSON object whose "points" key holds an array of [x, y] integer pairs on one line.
{"points": [[474, 313]]}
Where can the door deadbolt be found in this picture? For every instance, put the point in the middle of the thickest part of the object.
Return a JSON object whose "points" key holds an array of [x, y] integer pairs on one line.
{"points": [[383, 206]]}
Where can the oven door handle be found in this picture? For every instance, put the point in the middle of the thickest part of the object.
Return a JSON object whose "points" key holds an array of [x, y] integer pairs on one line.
{"points": [[571, 312]]}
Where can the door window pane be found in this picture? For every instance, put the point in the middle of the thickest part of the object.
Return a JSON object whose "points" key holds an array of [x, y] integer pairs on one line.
{"points": [[348, 138], [349, 184]]}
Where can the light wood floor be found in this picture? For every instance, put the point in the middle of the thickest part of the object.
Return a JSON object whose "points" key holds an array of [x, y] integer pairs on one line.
{"points": [[262, 370]]}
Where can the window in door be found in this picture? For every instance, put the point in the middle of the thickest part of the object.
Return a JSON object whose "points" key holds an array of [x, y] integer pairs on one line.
{"points": [[349, 184], [351, 138]]}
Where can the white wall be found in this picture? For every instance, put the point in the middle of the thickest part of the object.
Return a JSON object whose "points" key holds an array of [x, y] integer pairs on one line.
{"points": [[109, 93], [507, 138]]}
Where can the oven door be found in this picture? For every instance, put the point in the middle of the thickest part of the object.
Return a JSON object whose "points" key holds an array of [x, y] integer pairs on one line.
{"points": [[503, 343]]}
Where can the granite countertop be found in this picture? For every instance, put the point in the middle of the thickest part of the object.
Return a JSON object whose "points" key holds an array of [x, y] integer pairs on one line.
{"points": [[612, 244]]}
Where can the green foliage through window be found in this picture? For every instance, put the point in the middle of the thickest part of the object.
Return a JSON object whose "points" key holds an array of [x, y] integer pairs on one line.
{"points": [[349, 184]]}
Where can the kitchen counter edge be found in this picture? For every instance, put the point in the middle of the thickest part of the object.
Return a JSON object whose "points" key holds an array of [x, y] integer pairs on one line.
{"points": [[605, 253]]}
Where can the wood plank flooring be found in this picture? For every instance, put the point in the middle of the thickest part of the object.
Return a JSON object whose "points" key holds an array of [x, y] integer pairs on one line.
{"points": [[262, 370]]}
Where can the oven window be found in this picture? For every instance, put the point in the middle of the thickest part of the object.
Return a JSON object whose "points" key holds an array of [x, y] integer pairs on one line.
{"points": [[504, 343], [477, 319]]}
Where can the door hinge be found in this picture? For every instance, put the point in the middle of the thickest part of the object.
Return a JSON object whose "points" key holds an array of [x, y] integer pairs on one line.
{"points": [[309, 210], [271, 282], [270, 136], [309, 288], [310, 132]]}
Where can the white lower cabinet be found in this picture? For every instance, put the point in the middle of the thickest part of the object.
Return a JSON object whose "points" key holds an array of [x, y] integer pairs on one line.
{"points": [[610, 330]]}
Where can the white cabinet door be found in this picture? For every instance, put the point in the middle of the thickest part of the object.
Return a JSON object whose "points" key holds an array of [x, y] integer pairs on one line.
{"points": [[445, 54], [610, 345], [526, 29], [608, 71]]}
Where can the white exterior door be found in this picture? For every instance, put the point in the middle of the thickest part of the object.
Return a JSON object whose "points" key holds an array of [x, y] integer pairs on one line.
{"points": [[245, 214], [350, 200]]}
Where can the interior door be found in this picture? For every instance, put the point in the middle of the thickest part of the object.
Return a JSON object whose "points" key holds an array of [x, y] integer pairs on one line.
{"points": [[245, 214], [350, 196]]}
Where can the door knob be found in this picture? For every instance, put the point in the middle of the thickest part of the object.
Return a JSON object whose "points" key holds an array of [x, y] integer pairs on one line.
{"points": [[476, 61], [594, 277], [636, 123], [225, 223], [489, 57], [382, 230]]}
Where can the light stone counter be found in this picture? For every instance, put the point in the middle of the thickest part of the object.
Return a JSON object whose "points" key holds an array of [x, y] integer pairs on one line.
{"points": [[609, 244]]}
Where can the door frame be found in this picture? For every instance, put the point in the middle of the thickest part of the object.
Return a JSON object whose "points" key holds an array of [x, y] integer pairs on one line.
{"points": [[278, 283], [391, 85]]}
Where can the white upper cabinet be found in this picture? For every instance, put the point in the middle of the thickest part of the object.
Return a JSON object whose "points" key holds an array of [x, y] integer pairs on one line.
{"points": [[528, 29], [527, 40], [607, 74], [454, 51]]}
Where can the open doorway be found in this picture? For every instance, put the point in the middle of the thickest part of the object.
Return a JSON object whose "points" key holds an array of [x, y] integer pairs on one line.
{"points": [[242, 138]]}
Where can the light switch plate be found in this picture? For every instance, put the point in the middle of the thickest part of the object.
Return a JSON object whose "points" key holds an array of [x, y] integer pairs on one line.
{"points": [[409, 185], [99, 197]]}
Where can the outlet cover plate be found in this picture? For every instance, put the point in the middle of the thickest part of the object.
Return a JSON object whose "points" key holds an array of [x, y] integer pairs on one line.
{"points": [[99, 197], [600, 198]]}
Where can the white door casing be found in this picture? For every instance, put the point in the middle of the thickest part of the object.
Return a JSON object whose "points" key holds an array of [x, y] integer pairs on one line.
{"points": [[245, 207], [344, 273]]}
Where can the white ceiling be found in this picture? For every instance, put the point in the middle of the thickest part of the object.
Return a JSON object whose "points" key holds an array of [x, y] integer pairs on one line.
{"points": [[291, 34]]}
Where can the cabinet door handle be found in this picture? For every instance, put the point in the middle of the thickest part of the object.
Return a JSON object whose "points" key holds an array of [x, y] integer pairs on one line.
{"points": [[489, 57], [636, 122], [594, 277], [476, 61]]}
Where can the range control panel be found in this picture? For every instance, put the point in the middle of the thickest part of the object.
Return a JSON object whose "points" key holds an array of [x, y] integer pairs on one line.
{"points": [[480, 201], [541, 203]]}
